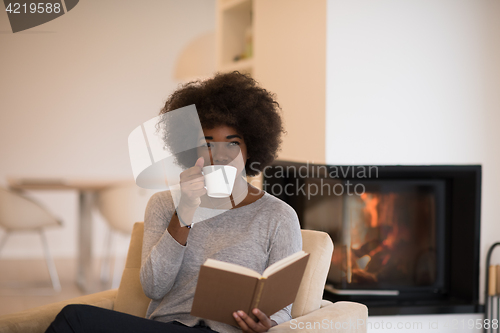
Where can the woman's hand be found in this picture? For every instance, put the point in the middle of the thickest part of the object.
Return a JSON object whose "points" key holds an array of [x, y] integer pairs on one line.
{"points": [[248, 325], [192, 186]]}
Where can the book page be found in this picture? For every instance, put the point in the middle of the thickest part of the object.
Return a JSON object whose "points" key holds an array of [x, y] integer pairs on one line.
{"points": [[283, 263], [281, 287], [231, 268]]}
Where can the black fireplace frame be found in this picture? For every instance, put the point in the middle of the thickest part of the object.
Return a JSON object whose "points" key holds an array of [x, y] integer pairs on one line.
{"points": [[463, 214]]}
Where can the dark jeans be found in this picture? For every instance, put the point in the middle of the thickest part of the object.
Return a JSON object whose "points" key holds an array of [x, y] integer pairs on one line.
{"points": [[79, 318]]}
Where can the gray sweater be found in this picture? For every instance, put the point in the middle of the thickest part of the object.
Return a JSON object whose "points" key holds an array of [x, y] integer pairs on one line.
{"points": [[256, 236]]}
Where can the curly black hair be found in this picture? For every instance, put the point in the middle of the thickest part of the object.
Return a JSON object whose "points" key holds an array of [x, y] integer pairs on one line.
{"points": [[231, 99]]}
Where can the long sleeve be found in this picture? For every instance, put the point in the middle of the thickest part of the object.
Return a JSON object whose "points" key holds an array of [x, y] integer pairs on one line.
{"points": [[162, 255], [286, 241], [255, 235]]}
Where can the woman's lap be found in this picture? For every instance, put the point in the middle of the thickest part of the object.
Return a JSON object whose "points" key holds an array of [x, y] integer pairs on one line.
{"points": [[79, 318]]}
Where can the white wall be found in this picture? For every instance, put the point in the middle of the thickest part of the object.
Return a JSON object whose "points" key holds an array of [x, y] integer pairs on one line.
{"points": [[417, 82], [71, 91]]}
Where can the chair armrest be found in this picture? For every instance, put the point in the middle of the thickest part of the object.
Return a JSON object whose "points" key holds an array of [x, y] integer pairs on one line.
{"points": [[325, 303], [38, 319], [337, 317]]}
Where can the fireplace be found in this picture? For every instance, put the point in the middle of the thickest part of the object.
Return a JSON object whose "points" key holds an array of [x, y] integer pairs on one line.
{"points": [[406, 237]]}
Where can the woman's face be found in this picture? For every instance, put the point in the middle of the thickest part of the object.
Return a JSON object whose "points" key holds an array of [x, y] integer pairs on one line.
{"points": [[223, 146]]}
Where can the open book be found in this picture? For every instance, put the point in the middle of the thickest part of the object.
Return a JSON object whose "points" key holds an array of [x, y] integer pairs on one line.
{"points": [[224, 288]]}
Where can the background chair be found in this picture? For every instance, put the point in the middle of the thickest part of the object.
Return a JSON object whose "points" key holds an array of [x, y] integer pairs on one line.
{"points": [[129, 298], [121, 206], [22, 214]]}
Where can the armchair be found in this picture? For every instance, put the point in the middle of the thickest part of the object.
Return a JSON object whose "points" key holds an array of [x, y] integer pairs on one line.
{"points": [[310, 312]]}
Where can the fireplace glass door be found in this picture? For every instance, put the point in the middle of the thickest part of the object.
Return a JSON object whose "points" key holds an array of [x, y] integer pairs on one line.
{"points": [[387, 234]]}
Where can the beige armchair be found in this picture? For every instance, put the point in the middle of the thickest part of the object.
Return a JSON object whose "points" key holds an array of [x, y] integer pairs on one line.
{"points": [[310, 312]]}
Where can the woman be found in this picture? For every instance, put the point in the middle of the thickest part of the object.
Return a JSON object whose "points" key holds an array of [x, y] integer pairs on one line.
{"points": [[258, 231]]}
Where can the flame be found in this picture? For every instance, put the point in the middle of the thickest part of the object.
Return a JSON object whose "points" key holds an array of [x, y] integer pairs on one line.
{"points": [[371, 203], [380, 212]]}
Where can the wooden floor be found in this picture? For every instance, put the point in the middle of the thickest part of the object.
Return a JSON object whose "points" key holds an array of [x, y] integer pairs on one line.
{"points": [[25, 284]]}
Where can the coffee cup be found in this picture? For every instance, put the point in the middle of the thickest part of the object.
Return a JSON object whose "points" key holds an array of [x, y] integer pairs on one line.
{"points": [[219, 180]]}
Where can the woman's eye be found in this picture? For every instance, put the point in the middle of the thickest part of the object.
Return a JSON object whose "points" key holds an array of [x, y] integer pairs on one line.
{"points": [[206, 145], [234, 143]]}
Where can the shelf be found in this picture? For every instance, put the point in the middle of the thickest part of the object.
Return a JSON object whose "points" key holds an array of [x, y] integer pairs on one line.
{"points": [[235, 31], [244, 65]]}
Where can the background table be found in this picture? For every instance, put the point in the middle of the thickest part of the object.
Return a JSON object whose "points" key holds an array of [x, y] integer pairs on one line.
{"points": [[86, 192]]}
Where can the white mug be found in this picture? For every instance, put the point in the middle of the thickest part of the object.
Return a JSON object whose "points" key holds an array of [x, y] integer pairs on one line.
{"points": [[219, 180]]}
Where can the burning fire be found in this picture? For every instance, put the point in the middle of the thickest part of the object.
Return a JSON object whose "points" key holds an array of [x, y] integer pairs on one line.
{"points": [[371, 203], [382, 239]]}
